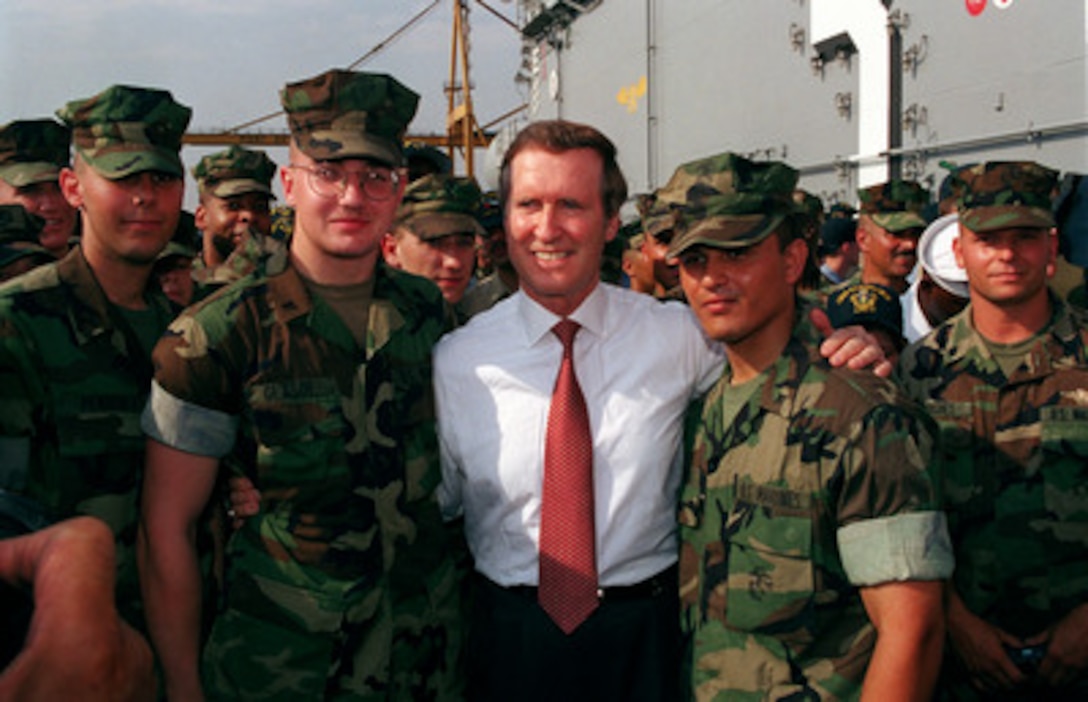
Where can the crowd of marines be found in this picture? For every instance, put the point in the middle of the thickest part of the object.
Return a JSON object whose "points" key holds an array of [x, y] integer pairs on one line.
{"points": [[295, 452]]}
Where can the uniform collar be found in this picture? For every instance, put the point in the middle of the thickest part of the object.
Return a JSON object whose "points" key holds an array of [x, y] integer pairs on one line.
{"points": [[779, 394], [89, 309], [1059, 339], [289, 299]]}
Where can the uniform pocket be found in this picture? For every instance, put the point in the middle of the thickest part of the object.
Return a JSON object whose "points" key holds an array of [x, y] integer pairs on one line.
{"points": [[298, 424], [1064, 443], [969, 470], [771, 576]]}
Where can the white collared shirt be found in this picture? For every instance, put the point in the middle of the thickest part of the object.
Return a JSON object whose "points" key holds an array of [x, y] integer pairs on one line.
{"points": [[639, 363]]}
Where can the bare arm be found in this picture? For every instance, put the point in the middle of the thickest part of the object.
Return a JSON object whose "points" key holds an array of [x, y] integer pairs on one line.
{"points": [[909, 621], [177, 485], [851, 346], [77, 643]]}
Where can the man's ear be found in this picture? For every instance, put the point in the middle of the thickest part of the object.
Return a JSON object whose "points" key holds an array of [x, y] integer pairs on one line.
{"points": [[796, 256], [287, 180], [957, 249], [389, 250], [861, 236], [70, 188]]}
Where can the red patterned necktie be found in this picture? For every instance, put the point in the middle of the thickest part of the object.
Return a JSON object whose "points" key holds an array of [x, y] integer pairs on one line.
{"points": [[568, 562]]}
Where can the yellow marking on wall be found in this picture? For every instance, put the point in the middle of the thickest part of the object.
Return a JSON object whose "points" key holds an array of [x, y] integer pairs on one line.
{"points": [[629, 95]]}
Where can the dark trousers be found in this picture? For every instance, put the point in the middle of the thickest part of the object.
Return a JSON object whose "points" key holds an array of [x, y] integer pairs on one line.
{"points": [[628, 649]]}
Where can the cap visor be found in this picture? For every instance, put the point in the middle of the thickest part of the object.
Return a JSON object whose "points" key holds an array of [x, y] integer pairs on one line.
{"points": [[115, 163], [19, 175], [899, 221], [329, 145], [993, 217], [240, 186], [726, 232], [435, 225]]}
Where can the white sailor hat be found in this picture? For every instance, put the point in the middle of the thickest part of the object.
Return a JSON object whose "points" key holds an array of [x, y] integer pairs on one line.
{"points": [[938, 260]]}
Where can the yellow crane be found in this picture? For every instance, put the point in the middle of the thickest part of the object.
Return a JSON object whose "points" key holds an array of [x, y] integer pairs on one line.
{"points": [[463, 132]]}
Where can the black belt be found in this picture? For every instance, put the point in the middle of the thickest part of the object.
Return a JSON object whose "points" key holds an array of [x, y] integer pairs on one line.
{"points": [[663, 583]]}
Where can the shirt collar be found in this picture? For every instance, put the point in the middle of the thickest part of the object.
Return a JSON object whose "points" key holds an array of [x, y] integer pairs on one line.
{"points": [[537, 321]]}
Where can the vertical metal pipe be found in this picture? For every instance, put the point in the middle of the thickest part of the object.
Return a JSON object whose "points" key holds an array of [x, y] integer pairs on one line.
{"points": [[651, 89], [895, 98]]}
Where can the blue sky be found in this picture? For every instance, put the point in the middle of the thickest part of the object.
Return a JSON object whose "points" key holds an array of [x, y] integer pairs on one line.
{"points": [[228, 59]]}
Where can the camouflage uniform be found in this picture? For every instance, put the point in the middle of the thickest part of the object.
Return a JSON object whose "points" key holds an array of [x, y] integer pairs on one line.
{"points": [[802, 487], [74, 373], [1015, 442], [73, 380], [1016, 466], [769, 599], [346, 571], [344, 585]]}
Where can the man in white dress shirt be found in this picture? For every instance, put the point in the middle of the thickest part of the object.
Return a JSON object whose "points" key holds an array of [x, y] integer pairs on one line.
{"points": [[639, 363]]}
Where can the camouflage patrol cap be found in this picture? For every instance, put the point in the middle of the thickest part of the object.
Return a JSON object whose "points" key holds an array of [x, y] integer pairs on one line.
{"points": [[440, 205], [345, 114], [728, 201], [895, 205], [1004, 194], [125, 130], [867, 305], [32, 151], [235, 171], [19, 231], [658, 217]]}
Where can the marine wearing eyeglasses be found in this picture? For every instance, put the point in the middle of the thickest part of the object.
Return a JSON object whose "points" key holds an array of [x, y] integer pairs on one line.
{"points": [[315, 383], [331, 179]]}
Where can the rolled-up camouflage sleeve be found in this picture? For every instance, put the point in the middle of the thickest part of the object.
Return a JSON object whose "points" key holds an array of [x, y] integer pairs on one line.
{"points": [[891, 525], [187, 426], [195, 402]]}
